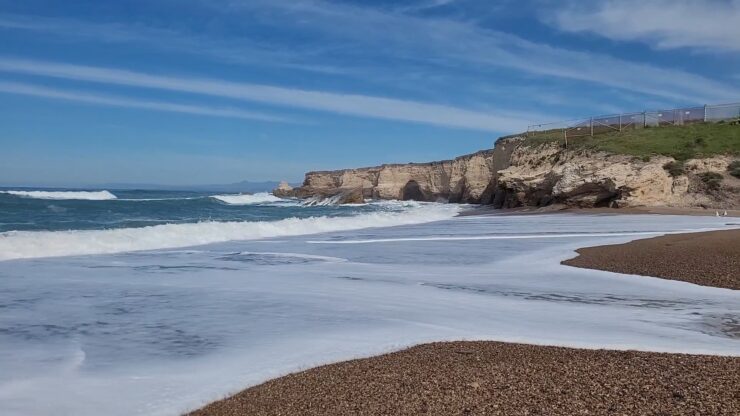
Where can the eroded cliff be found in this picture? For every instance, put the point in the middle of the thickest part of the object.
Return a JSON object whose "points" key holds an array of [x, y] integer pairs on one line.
{"points": [[470, 178], [548, 173], [519, 173]]}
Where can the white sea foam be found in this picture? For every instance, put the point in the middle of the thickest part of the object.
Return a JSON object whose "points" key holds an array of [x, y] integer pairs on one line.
{"points": [[247, 199], [30, 244], [500, 237], [83, 195], [161, 333], [318, 201], [187, 198]]}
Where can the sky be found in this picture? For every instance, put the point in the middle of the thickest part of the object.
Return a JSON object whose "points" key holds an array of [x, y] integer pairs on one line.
{"points": [[206, 91]]}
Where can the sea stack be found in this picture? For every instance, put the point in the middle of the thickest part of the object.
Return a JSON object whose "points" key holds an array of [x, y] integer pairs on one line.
{"points": [[283, 190]]}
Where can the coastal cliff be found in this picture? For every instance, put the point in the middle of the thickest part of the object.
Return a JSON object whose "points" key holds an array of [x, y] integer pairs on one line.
{"points": [[520, 172], [469, 178], [546, 174]]}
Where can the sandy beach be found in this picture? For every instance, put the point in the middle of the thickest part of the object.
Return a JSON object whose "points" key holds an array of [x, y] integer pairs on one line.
{"points": [[707, 258], [172, 331], [493, 378]]}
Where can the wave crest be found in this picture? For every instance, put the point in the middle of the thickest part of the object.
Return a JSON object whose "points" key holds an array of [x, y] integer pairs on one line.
{"points": [[247, 199], [83, 195], [32, 244]]}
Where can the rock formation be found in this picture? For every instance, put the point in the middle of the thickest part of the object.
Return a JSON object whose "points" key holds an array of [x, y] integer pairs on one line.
{"points": [[546, 174], [283, 190], [516, 173]]}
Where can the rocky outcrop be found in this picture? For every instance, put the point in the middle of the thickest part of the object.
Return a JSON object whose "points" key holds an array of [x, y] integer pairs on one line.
{"points": [[467, 178], [516, 173], [284, 190], [343, 196], [547, 174]]}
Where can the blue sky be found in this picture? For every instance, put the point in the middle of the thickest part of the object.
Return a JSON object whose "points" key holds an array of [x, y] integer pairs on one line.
{"points": [[207, 91]]}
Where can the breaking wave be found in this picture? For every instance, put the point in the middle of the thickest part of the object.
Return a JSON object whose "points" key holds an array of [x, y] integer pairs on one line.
{"points": [[83, 195], [32, 244], [246, 199], [318, 201]]}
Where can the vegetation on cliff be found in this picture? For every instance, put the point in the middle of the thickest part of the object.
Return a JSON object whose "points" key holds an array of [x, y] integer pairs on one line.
{"points": [[679, 142]]}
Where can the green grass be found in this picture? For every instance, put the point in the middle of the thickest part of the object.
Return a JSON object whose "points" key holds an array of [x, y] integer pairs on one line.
{"points": [[679, 142]]}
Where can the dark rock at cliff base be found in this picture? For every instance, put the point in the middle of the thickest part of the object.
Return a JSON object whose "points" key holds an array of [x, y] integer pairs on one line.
{"points": [[412, 192], [336, 197]]}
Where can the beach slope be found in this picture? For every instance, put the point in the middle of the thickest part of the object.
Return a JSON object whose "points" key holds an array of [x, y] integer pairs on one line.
{"points": [[494, 378], [706, 258]]}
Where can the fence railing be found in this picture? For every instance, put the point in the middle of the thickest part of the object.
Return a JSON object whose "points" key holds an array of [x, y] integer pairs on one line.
{"points": [[620, 122]]}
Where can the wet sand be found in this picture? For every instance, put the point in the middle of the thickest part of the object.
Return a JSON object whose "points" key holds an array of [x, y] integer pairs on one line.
{"points": [[732, 214], [708, 258], [494, 378]]}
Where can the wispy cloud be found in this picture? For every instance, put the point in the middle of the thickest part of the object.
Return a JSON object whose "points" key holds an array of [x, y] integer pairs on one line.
{"points": [[238, 50], [349, 104], [355, 40], [450, 43], [107, 100], [663, 24]]}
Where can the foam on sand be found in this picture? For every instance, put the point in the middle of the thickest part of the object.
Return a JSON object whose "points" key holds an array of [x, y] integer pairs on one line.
{"points": [[163, 332], [80, 195], [501, 237], [31, 244]]}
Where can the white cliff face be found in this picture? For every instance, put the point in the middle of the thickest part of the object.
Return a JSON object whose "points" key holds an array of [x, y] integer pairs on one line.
{"points": [[717, 164], [516, 174], [463, 179], [432, 179]]}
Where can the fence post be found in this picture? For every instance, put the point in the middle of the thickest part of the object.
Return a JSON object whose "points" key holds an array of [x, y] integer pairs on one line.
{"points": [[620, 122], [592, 127], [705, 113], [644, 119], [565, 136]]}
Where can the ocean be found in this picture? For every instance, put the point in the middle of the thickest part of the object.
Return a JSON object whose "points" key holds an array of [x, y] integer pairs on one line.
{"points": [[37, 223], [155, 303]]}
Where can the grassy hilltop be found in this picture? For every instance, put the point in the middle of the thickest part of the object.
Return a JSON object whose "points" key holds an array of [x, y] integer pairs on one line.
{"points": [[680, 142]]}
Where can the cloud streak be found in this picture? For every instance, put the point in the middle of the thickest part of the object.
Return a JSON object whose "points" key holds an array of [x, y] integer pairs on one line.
{"points": [[463, 44], [335, 35], [347, 104], [663, 24], [113, 101]]}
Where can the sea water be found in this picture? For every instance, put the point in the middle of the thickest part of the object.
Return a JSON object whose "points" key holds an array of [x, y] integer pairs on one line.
{"points": [[156, 303]]}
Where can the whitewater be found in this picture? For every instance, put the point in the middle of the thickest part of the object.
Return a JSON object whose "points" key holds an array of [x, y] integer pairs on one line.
{"points": [[28, 244], [113, 316], [80, 195]]}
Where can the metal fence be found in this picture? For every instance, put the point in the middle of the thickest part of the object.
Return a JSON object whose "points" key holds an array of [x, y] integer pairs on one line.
{"points": [[620, 122]]}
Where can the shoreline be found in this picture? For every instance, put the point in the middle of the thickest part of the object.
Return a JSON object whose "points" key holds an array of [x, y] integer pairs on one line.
{"points": [[465, 310], [558, 208], [490, 377], [507, 378], [710, 258]]}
